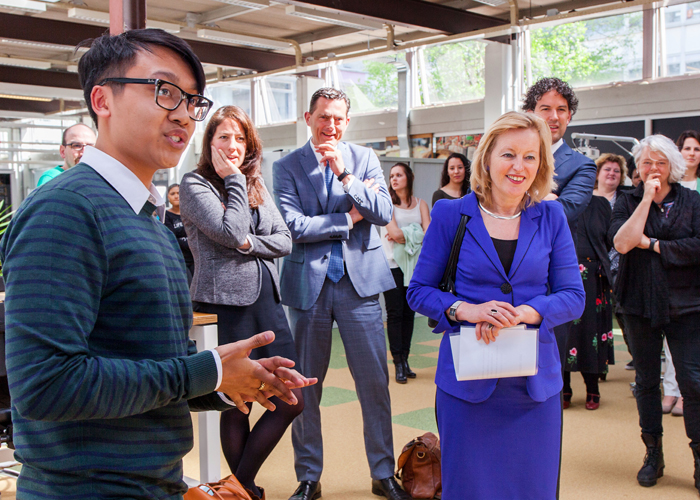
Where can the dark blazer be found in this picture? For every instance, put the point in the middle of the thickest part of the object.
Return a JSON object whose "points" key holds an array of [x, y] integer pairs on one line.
{"points": [[223, 274], [316, 219], [575, 176], [544, 275]]}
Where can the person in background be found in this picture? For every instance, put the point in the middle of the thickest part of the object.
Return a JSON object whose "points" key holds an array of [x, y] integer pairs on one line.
{"points": [[173, 221], [590, 346], [517, 265], [402, 239], [689, 145], [75, 138], [454, 180], [555, 102], [235, 231], [656, 229]]}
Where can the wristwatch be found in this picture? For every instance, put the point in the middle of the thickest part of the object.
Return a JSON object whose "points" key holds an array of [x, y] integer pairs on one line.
{"points": [[344, 175], [452, 311], [652, 242]]}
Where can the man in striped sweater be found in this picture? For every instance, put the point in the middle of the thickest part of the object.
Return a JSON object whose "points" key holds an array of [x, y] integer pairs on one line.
{"points": [[102, 374]]}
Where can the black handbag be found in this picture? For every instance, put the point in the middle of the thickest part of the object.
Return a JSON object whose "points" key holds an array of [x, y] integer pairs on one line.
{"points": [[447, 283]]}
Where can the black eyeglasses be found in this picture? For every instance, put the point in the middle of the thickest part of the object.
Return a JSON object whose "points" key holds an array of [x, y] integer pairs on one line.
{"points": [[77, 146], [169, 96]]}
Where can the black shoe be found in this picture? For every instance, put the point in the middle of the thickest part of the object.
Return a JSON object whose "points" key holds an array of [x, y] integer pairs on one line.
{"points": [[307, 490], [696, 455], [389, 488], [409, 373], [653, 467], [400, 369], [629, 366]]}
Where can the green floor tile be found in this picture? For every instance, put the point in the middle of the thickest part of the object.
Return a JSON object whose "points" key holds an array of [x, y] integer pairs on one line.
{"points": [[336, 396], [421, 361], [422, 349], [423, 420]]}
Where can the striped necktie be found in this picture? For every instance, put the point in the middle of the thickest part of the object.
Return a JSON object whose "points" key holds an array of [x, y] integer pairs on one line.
{"points": [[335, 265]]}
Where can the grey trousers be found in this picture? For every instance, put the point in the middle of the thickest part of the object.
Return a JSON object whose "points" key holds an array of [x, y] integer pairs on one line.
{"points": [[362, 332]]}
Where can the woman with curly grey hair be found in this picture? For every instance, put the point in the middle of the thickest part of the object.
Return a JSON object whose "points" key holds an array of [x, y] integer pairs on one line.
{"points": [[656, 229]]}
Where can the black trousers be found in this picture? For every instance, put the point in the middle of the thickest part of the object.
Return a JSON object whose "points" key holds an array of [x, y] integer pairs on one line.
{"points": [[645, 342], [399, 317]]}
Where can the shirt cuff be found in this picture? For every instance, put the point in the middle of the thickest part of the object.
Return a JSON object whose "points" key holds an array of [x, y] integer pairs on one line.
{"points": [[350, 224], [225, 399], [219, 368], [250, 248], [346, 187]]}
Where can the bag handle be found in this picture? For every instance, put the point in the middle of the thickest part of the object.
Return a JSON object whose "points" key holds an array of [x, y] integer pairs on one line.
{"points": [[447, 283]]}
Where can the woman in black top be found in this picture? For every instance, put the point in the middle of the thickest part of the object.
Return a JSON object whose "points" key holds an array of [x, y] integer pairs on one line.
{"points": [[656, 229], [454, 180], [173, 221]]}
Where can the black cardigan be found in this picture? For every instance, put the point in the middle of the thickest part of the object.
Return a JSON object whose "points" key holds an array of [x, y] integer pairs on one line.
{"points": [[665, 285]]}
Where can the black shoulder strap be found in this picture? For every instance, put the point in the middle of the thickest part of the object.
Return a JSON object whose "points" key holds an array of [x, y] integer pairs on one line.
{"points": [[447, 284]]}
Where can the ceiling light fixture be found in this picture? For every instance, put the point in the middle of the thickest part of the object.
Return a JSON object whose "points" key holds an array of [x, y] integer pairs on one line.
{"points": [[23, 5], [246, 40], [24, 63], [248, 4], [169, 27], [358, 23], [493, 3], [25, 43], [88, 15], [25, 98]]}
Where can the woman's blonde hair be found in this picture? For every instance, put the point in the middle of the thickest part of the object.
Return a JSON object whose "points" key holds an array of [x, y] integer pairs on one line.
{"points": [[610, 158], [514, 120]]}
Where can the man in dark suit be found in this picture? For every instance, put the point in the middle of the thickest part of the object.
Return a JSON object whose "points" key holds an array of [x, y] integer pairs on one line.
{"points": [[554, 101], [330, 194]]}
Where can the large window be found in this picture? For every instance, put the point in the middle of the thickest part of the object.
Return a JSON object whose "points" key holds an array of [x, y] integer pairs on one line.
{"points": [[451, 72], [233, 93], [279, 97], [589, 52], [371, 85], [680, 43]]}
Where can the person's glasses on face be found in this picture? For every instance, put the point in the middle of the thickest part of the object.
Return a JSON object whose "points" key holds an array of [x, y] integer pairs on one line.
{"points": [[77, 146], [169, 96]]}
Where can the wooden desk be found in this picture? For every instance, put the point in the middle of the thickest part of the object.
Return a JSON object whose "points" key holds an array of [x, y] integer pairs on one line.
{"points": [[204, 333]]}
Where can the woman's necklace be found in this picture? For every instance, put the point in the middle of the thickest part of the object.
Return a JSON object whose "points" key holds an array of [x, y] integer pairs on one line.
{"points": [[502, 217]]}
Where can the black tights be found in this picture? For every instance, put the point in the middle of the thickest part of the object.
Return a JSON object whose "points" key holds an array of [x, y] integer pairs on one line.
{"points": [[247, 449], [590, 379]]}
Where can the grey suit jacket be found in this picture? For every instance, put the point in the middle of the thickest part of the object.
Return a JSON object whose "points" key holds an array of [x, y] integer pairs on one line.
{"points": [[222, 273], [316, 218]]}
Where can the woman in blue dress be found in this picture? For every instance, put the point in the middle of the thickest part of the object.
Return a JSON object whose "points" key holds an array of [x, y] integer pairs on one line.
{"points": [[501, 438]]}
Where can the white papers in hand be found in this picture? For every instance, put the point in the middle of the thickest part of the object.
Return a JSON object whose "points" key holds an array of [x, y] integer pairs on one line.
{"points": [[513, 354]]}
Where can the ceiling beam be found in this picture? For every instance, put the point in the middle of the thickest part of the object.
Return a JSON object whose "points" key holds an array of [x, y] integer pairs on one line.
{"points": [[37, 106], [66, 33], [222, 13], [322, 34], [41, 77], [414, 13]]}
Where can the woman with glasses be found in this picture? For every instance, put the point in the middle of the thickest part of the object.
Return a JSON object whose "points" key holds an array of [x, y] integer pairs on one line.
{"points": [[656, 229], [235, 231]]}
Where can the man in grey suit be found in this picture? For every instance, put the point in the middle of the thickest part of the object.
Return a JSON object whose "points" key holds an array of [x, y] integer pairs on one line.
{"points": [[554, 101], [330, 194]]}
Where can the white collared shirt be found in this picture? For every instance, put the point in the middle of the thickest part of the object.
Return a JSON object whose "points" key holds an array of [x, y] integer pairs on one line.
{"points": [[557, 145], [124, 181], [322, 168], [129, 187]]}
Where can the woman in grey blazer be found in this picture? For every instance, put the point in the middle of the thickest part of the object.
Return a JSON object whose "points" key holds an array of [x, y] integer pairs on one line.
{"points": [[235, 231]]}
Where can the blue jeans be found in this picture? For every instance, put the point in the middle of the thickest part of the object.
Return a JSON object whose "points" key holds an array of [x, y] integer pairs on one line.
{"points": [[645, 342]]}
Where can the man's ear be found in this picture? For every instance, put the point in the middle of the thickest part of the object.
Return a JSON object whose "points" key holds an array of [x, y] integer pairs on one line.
{"points": [[62, 151], [570, 115], [307, 117], [101, 100]]}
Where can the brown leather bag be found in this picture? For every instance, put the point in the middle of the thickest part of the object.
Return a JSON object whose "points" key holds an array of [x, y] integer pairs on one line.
{"points": [[227, 489], [419, 467]]}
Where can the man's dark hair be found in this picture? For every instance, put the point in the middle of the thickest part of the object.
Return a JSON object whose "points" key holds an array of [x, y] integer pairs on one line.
{"points": [[544, 85], [329, 93], [112, 56], [65, 132]]}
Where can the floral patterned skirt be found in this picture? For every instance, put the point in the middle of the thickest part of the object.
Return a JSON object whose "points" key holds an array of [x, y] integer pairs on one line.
{"points": [[590, 344]]}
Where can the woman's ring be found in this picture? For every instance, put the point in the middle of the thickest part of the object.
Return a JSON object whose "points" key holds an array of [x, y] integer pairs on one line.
{"points": [[262, 386], [489, 326], [494, 312]]}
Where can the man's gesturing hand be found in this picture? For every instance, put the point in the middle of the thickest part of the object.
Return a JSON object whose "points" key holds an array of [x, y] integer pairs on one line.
{"points": [[242, 376]]}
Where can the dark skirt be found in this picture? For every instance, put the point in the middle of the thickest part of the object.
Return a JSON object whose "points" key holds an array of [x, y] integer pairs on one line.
{"points": [[242, 322], [590, 345], [507, 447]]}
